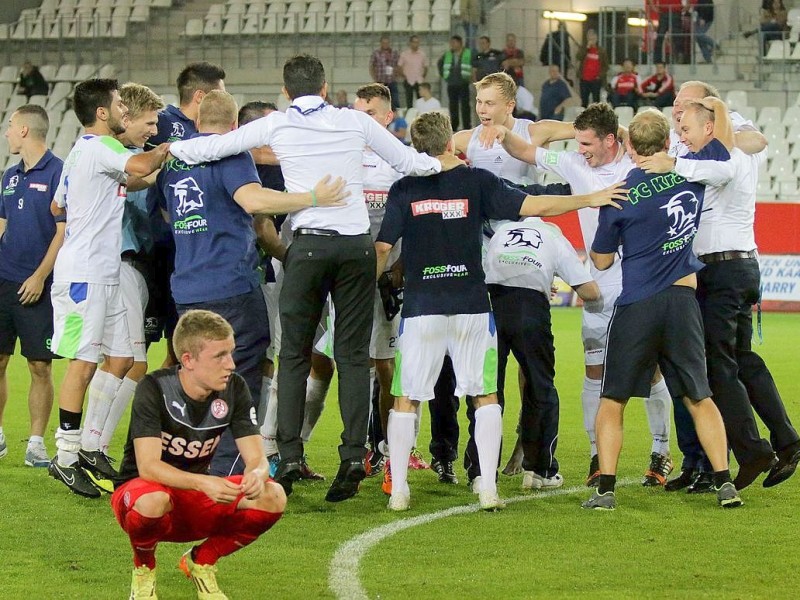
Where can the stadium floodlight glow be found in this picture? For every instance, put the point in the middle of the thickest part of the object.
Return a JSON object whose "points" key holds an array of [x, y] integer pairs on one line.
{"points": [[564, 16], [636, 22]]}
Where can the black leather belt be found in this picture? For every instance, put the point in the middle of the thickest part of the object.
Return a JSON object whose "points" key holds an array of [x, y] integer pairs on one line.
{"points": [[716, 257], [311, 231]]}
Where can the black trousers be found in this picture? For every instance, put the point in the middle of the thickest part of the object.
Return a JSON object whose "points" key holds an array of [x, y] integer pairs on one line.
{"points": [[247, 315], [590, 92], [412, 93], [458, 96], [444, 415], [315, 266], [667, 21]]}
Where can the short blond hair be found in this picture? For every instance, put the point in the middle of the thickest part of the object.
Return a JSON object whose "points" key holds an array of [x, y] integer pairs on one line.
{"points": [[217, 109], [195, 328], [708, 89], [431, 132], [648, 132], [502, 81], [139, 99]]}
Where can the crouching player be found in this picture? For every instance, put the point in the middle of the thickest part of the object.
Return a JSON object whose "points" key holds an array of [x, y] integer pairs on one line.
{"points": [[164, 492], [446, 307]]}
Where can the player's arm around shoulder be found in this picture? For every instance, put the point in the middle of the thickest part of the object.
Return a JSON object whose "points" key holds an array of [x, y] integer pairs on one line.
{"points": [[546, 131]]}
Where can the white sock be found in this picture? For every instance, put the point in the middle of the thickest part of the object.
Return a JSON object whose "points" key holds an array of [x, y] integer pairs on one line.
{"points": [[68, 444], [488, 435], [416, 423], [401, 439], [269, 429], [35, 440], [2, 435], [316, 390], [659, 412], [102, 390], [590, 399], [263, 397], [121, 401]]}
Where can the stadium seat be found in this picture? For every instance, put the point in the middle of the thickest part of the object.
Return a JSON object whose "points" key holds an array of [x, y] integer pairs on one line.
{"points": [[58, 95], [736, 98], [779, 50], [788, 191], [400, 19], [269, 24], [764, 190], [276, 8], [625, 114], [250, 25], [38, 100], [85, 72], [440, 20], [170, 99], [791, 116], [9, 74], [769, 114], [66, 72], [14, 102], [139, 14], [256, 8], [748, 112], [420, 21], [213, 25], [778, 149], [194, 28], [775, 133]]}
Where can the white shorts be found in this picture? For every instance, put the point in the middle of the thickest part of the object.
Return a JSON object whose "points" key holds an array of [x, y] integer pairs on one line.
{"points": [[89, 321], [383, 341], [423, 342], [594, 327], [133, 290]]}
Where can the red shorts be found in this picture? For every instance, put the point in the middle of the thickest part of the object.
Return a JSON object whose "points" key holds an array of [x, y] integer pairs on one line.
{"points": [[194, 515]]}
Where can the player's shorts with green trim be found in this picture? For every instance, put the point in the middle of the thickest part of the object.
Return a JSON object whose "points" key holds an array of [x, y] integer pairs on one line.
{"points": [[89, 321], [469, 339]]}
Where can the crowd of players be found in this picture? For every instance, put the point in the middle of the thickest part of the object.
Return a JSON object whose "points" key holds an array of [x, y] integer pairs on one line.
{"points": [[165, 212]]}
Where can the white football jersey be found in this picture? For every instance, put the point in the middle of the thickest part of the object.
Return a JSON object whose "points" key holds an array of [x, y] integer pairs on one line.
{"points": [[500, 162]]}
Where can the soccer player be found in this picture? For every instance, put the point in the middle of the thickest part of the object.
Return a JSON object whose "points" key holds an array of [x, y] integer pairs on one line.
{"points": [[656, 317], [446, 305], [30, 238], [332, 252], [210, 207], [599, 161], [164, 492], [105, 409], [88, 314], [521, 260]]}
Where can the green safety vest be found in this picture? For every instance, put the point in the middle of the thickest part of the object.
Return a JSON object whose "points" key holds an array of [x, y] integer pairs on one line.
{"points": [[466, 64]]}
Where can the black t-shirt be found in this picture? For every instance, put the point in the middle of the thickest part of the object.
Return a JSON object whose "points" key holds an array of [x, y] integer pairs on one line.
{"points": [[189, 430], [440, 220]]}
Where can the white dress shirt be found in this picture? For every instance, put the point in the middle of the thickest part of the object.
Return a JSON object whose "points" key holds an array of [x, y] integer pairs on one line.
{"points": [[312, 139]]}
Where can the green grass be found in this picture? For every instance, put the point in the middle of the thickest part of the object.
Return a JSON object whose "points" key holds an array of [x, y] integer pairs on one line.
{"points": [[656, 545]]}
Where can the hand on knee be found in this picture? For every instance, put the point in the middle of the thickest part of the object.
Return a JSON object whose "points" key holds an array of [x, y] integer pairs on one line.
{"points": [[272, 500]]}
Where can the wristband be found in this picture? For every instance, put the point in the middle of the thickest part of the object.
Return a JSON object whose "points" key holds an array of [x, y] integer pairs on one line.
{"points": [[313, 198]]}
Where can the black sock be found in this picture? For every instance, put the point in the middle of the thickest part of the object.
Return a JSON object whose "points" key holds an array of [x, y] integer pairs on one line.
{"points": [[68, 420], [721, 477], [606, 483]]}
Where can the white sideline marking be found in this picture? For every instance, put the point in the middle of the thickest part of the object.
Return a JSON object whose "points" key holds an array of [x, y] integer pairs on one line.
{"points": [[343, 579]]}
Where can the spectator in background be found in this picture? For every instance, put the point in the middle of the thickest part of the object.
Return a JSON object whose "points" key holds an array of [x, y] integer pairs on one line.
{"points": [[659, 89], [773, 22], [514, 60], [555, 93], [669, 19], [555, 49], [455, 67], [426, 102], [383, 68], [31, 81], [487, 60], [399, 128], [592, 69], [341, 100], [471, 16], [704, 16], [412, 66], [625, 86]]}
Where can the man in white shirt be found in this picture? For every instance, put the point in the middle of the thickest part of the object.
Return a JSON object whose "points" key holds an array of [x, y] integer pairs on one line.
{"points": [[88, 314], [332, 253], [426, 102], [599, 161]]}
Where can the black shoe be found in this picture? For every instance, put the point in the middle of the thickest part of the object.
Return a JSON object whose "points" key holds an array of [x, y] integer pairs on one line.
{"points": [[748, 472], [307, 472], [703, 484], [288, 472], [787, 465], [680, 482], [656, 473], [74, 478], [347, 480], [444, 470], [594, 472], [97, 463]]}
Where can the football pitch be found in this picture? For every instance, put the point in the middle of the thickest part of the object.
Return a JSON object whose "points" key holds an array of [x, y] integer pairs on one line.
{"points": [[543, 545]]}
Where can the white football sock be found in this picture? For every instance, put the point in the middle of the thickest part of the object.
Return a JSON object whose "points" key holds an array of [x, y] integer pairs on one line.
{"points": [[590, 399], [488, 435], [269, 429], [316, 390], [263, 398], [121, 401], [35, 440], [659, 412], [401, 439], [102, 390], [68, 443], [416, 423]]}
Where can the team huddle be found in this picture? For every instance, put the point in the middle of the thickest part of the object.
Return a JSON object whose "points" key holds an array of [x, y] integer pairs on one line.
{"points": [[412, 271]]}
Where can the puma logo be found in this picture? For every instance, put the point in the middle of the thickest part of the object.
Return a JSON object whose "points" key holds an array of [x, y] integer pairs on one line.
{"points": [[181, 408]]}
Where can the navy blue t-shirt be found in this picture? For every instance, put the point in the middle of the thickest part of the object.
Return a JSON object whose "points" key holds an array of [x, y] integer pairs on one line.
{"points": [[215, 249], [30, 227], [440, 220], [655, 227]]}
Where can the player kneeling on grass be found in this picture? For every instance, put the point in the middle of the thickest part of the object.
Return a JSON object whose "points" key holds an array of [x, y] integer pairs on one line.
{"points": [[656, 319], [163, 492], [446, 306]]}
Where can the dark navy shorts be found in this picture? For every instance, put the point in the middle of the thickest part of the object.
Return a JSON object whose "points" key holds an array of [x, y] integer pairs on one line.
{"points": [[31, 323]]}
